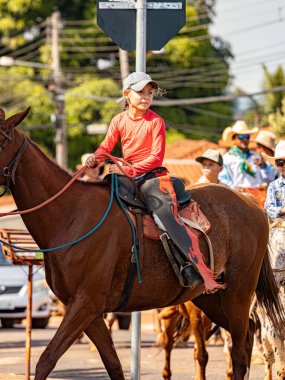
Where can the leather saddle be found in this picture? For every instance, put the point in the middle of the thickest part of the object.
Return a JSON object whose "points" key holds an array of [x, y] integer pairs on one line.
{"points": [[129, 195]]}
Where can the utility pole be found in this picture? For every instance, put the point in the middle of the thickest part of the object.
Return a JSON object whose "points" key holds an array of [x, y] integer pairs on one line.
{"points": [[60, 135], [124, 63]]}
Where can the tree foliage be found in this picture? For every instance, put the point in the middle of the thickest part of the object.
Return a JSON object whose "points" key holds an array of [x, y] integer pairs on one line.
{"points": [[273, 101], [277, 120], [192, 64]]}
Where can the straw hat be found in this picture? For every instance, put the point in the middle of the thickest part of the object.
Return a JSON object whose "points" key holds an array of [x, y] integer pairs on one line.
{"points": [[267, 139], [279, 152], [83, 160], [239, 128]]}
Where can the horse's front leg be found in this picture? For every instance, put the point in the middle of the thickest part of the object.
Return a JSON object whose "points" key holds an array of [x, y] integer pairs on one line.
{"points": [[200, 352], [98, 332], [169, 327], [277, 347], [79, 315]]}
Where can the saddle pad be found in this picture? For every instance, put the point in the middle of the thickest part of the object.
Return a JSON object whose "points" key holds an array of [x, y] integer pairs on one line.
{"points": [[192, 212]]}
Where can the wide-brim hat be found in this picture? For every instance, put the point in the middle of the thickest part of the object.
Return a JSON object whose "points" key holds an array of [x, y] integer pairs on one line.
{"points": [[267, 139], [83, 160], [211, 154], [279, 153], [239, 128]]}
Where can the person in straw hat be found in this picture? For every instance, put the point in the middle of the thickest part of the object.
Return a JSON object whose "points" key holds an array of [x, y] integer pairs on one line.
{"points": [[275, 199], [265, 143], [242, 170]]}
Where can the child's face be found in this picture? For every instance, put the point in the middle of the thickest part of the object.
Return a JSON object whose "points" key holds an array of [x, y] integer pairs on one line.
{"points": [[140, 99], [210, 169]]}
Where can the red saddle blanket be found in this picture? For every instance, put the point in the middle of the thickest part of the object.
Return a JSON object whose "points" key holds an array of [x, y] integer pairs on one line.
{"points": [[192, 212]]}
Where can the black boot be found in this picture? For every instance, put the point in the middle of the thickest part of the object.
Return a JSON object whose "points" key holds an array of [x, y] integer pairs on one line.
{"points": [[191, 275]]}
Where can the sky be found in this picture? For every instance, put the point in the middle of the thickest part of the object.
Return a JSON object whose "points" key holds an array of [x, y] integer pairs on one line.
{"points": [[255, 30]]}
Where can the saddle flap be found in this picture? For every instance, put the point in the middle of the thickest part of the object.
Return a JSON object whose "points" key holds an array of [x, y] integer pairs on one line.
{"points": [[128, 192]]}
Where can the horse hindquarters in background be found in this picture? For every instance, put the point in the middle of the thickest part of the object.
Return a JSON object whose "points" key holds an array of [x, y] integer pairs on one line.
{"points": [[199, 324], [272, 338]]}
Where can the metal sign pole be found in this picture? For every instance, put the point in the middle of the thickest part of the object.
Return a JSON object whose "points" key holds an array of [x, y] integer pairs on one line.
{"points": [[141, 6], [29, 322]]}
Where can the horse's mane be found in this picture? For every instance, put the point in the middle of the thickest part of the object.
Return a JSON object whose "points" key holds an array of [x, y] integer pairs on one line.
{"points": [[51, 160], [65, 172]]}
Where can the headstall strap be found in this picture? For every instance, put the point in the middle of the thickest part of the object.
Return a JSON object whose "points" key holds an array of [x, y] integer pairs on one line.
{"points": [[8, 139], [10, 170]]}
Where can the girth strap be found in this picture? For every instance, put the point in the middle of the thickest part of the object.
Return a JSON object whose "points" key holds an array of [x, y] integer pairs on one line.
{"points": [[139, 230]]}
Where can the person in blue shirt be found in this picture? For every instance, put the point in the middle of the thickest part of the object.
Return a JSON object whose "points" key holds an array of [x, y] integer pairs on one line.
{"points": [[275, 199]]}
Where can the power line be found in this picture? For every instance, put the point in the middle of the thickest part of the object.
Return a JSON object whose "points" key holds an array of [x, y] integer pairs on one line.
{"points": [[180, 102], [254, 27]]}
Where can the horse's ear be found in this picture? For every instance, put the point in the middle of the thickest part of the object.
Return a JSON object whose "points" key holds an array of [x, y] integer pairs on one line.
{"points": [[2, 114], [16, 119]]}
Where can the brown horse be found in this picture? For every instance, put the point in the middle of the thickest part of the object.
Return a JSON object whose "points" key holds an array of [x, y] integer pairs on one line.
{"points": [[199, 324], [89, 277]]}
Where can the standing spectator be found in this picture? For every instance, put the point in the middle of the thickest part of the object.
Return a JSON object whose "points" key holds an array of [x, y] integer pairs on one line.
{"points": [[265, 143], [242, 169], [275, 200], [212, 165]]}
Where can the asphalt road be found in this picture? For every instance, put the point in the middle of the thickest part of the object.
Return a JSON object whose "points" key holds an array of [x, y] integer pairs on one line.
{"points": [[80, 363]]}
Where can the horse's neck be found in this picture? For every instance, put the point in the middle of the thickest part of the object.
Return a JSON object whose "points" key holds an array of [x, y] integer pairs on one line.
{"points": [[37, 179]]}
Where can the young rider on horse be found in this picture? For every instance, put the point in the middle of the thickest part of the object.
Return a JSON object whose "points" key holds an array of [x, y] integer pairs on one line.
{"points": [[142, 135]]}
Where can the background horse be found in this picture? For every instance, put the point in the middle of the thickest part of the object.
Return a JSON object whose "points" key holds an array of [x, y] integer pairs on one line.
{"points": [[273, 339], [89, 277], [180, 321]]}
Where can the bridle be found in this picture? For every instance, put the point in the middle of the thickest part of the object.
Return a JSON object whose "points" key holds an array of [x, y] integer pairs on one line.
{"points": [[9, 171]]}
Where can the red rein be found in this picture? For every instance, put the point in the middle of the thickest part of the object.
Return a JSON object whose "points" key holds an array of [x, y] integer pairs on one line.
{"points": [[116, 160]]}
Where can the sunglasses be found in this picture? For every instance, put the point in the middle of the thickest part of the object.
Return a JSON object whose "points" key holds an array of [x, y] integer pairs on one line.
{"points": [[241, 137], [280, 163]]}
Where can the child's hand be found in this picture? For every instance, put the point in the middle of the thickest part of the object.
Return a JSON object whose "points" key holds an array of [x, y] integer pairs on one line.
{"points": [[91, 161], [113, 169], [282, 211]]}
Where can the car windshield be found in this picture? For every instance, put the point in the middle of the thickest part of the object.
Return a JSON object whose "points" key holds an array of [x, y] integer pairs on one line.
{"points": [[3, 261]]}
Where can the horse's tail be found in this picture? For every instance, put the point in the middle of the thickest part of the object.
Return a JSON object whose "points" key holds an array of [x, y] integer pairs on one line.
{"points": [[267, 293]]}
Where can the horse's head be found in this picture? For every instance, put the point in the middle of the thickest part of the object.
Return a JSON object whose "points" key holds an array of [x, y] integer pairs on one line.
{"points": [[10, 152]]}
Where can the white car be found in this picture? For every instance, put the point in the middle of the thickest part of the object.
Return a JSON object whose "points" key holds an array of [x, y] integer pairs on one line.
{"points": [[13, 295]]}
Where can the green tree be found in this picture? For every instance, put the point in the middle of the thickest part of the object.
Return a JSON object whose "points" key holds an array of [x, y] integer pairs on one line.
{"points": [[192, 64], [277, 120], [272, 101]]}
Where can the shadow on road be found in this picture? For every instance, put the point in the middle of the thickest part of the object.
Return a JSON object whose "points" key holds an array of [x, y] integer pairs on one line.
{"points": [[82, 374]]}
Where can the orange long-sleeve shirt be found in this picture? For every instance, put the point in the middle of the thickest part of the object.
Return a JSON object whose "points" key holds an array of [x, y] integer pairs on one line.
{"points": [[142, 140]]}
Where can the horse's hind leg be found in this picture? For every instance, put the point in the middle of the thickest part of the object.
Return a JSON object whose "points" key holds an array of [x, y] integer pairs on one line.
{"points": [[234, 317], [98, 332], [77, 317]]}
